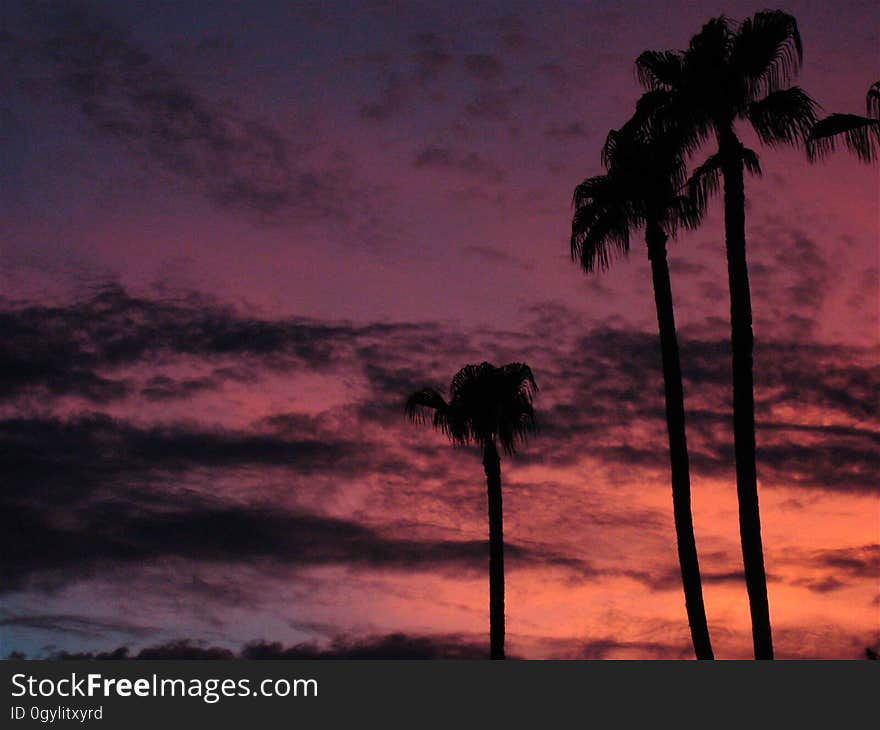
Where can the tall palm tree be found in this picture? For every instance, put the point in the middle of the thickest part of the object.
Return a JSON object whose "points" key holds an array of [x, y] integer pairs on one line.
{"points": [[732, 73], [861, 135], [641, 188], [488, 406]]}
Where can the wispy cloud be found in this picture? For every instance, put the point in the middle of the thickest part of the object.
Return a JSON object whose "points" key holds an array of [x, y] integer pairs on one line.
{"points": [[238, 161], [471, 163], [132, 492]]}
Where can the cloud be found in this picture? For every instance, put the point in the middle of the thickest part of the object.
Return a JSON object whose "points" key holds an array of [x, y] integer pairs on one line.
{"points": [[608, 648], [827, 584], [554, 72], [430, 62], [239, 162], [612, 383], [101, 348], [113, 492], [410, 77], [393, 99], [493, 103], [512, 34], [182, 649], [495, 255], [441, 74], [861, 562], [389, 646], [121, 446], [160, 387], [484, 66], [826, 641], [792, 279], [73, 624], [71, 349], [89, 493], [569, 130], [471, 163]]}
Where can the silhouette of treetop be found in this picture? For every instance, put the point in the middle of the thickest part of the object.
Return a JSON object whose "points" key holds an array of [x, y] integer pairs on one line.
{"points": [[486, 404]]}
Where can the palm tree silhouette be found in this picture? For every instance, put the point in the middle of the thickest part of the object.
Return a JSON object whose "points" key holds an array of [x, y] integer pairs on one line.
{"points": [[641, 188], [487, 406], [733, 73], [861, 135]]}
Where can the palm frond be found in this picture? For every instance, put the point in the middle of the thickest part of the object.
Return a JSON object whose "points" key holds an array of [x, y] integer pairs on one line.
{"points": [[682, 211], [597, 244], [667, 114], [872, 101], [610, 148], [659, 127], [424, 404], [785, 116], [860, 135], [521, 374], [599, 236], [708, 50], [469, 377], [517, 414], [751, 161], [601, 223], [705, 182], [587, 190], [650, 109], [659, 69], [767, 52]]}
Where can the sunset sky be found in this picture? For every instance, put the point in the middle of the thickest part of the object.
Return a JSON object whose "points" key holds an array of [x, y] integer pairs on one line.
{"points": [[235, 236]]}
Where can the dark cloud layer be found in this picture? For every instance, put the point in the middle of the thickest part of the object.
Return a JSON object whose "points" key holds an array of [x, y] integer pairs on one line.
{"points": [[389, 646], [96, 493], [72, 624], [610, 377], [111, 492], [616, 381], [87, 493], [69, 349]]}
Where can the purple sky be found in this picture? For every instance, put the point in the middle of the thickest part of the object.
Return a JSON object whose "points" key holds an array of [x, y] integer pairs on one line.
{"points": [[237, 235]]}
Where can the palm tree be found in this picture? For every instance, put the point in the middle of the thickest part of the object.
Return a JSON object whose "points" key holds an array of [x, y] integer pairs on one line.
{"points": [[861, 135], [641, 188], [487, 406], [732, 73]]}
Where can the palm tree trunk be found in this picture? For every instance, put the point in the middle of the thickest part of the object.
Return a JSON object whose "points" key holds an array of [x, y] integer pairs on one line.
{"points": [[678, 454], [492, 465], [742, 343]]}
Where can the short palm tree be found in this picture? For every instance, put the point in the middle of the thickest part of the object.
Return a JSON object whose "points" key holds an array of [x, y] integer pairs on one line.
{"points": [[860, 135], [731, 73], [642, 188], [488, 406]]}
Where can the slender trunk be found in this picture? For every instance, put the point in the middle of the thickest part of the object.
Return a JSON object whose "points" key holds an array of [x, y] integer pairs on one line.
{"points": [[742, 343], [678, 454], [492, 465]]}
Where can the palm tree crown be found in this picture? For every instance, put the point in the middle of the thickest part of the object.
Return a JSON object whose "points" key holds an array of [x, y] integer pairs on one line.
{"points": [[645, 173], [732, 72], [486, 404]]}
